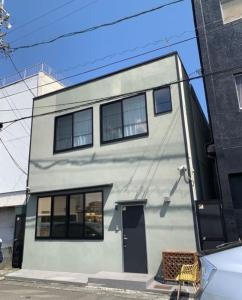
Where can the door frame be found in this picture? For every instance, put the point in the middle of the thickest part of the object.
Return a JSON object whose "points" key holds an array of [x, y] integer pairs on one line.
{"points": [[14, 237], [132, 203]]}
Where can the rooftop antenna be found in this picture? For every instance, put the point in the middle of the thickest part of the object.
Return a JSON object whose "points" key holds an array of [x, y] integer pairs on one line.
{"points": [[4, 26]]}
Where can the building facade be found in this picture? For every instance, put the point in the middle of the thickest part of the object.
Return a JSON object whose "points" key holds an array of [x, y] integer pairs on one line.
{"points": [[219, 30], [114, 172], [16, 102]]}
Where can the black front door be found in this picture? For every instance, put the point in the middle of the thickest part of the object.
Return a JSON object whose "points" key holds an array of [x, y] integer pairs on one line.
{"points": [[18, 243], [134, 243]]}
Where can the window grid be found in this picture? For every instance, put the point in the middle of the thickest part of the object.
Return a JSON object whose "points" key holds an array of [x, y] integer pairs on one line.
{"points": [[67, 234], [73, 147], [122, 121]]}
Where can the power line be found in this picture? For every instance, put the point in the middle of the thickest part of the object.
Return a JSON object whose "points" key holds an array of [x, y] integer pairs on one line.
{"points": [[110, 64], [133, 49], [54, 22], [14, 161], [16, 69], [14, 111], [116, 62], [89, 102], [118, 21], [41, 16], [109, 56], [114, 54], [99, 26], [121, 20]]}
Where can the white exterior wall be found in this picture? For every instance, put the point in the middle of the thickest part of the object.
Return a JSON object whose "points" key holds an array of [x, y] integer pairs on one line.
{"points": [[142, 168], [16, 137]]}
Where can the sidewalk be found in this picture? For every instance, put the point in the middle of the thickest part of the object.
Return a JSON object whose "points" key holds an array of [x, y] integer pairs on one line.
{"points": [[124, 281]]}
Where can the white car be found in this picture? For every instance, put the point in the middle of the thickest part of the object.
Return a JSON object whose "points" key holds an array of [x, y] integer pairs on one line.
{"points": [[221, 273]]}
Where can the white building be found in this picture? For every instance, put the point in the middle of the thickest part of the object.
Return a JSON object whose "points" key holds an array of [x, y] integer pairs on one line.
{"points": [[16, 102]]}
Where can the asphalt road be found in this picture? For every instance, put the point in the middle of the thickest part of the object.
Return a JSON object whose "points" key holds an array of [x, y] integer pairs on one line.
{"points": [[11, 290]]}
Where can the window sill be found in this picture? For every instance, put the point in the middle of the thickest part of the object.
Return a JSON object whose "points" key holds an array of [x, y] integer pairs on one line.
{"points": [[132, 137], [68, 239], [162, 113], [73, 149]]}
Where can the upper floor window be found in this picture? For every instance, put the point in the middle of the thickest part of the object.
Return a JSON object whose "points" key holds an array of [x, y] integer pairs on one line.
{"points": [[238, 80], [72, 216], [73, 130], [162, 100], [123, 119], [231, 10]]}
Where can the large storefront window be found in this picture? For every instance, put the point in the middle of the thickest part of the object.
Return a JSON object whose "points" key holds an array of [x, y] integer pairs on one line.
{"points": [[71, 216]]}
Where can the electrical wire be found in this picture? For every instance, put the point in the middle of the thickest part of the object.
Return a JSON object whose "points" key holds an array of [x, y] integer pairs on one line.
{"points": [[110, 64], [54, 22], [124, 19], [115, 22], [89, 102], [98, 68], [14, 161], [41, 16], [133, 49], [16, 69], [27, 130]]}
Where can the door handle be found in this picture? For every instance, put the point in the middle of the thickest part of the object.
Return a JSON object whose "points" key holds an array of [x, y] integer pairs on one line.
{"points": [[125, 238]]}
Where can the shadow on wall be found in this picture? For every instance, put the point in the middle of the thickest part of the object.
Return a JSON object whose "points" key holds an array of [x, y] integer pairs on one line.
{"points": [[93, 159], [166, 204], [46, 164]]}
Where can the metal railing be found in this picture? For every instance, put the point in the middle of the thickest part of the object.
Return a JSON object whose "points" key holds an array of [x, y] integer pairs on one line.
{"points": [[31, 71]]}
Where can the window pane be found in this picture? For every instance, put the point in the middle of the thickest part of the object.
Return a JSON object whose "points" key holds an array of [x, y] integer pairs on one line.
{"points": [[83, 128], [111, 121], [63, 133], [93, 215], [232, 10], [134, 116], [238, 79], [162, 99], [59, 217], [43, 218], [76, 216]]}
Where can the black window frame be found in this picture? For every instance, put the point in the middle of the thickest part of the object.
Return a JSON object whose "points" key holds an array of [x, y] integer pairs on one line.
{"points": [[68, 196], [72, 148], [122, 118], [160, 88]]}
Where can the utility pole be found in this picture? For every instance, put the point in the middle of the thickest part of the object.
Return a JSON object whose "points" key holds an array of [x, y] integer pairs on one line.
{"points": [[4, 26]]}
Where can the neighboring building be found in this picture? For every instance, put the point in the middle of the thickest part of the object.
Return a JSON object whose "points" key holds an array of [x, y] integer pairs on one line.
{"points": [[108, 183], [219, 29], [15, 139]]}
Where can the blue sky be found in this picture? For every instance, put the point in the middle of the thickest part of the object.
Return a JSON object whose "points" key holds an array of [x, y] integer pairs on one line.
{"points": [[76, 54]]}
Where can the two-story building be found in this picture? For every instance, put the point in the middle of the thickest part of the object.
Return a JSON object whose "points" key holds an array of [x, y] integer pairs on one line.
{"points": [[117, 164]]}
